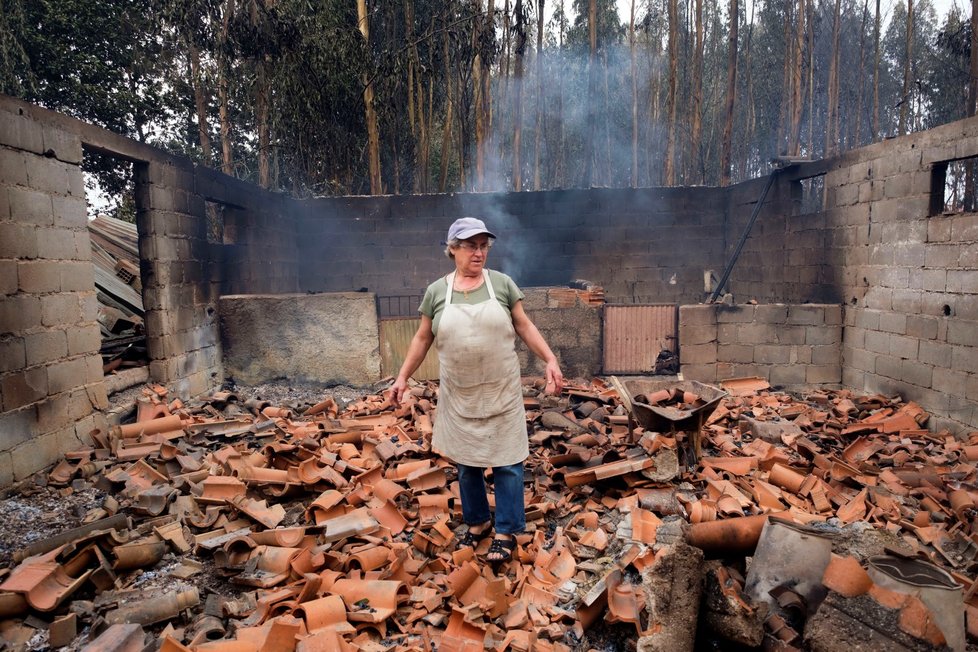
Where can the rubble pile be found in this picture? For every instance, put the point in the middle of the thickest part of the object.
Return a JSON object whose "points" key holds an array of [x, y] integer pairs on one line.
{"points": [[817, 522]]}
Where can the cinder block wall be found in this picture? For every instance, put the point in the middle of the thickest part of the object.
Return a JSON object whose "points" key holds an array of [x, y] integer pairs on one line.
{"points": [[911, 278], [788, 345], [641, 245], [907, 274], [187, 263], [50, 368], [255, 246], [179, 292], [786, 258]]}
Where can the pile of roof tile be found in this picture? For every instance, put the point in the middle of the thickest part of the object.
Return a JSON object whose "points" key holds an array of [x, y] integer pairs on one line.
{"points": [[338, 528]]}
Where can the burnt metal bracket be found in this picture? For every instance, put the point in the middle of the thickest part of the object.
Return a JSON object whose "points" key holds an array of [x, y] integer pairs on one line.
{"points": [[743, 238]]}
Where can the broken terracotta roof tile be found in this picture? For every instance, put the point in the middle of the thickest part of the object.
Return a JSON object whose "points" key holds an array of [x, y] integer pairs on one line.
{"points": [[352, 469]]}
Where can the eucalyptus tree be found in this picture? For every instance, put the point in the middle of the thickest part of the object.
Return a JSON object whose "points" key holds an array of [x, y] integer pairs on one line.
{"points": [[903, 72]]}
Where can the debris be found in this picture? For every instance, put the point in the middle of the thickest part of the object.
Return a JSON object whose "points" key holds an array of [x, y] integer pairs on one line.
{"points": [[330, 524], [673, 586]]}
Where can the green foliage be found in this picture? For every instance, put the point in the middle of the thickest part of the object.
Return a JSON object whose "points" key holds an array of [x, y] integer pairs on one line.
{"points": [[126, 65], [16, 77]]}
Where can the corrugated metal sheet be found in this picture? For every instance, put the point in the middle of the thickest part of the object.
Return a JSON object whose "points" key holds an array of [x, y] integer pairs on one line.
{"points": [[634, 336], [395, 338]]}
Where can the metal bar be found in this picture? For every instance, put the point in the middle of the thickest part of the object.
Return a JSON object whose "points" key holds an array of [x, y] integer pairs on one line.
{"points": [[743, 238]]}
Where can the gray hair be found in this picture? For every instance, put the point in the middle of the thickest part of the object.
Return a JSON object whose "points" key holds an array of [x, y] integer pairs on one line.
{"points": [[454, 242]]}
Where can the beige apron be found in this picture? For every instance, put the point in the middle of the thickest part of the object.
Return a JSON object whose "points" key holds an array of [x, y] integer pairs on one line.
{"points": [[480, 419]]}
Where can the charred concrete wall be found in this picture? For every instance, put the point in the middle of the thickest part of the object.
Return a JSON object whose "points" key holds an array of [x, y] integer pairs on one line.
{"points": [[203, 234], [881, 245], [311, 339], [641, 245], [50, 369], [787, 345]]}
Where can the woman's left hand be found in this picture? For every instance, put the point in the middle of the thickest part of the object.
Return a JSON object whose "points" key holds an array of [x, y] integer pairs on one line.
{"points": [[555, 379]]}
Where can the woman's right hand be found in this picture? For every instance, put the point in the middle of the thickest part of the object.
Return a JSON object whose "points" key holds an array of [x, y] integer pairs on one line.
{"points": [[398, 389]]}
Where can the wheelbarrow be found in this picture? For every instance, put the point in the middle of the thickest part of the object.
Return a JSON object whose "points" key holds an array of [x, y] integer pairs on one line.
{"points": [[671, 419]]}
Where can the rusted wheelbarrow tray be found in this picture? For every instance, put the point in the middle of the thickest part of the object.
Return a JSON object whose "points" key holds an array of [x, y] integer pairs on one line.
{"points": [[659, 418]]}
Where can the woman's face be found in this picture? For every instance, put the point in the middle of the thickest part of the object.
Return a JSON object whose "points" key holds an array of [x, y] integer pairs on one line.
{"points": [[470, 255]]}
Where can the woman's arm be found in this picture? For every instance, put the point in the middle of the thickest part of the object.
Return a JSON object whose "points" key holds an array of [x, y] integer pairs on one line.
{"points": [[418, 349], [528, 332]]}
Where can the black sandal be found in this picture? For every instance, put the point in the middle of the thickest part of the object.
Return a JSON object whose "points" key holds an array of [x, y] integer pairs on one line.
{"points": [[502, 547], [472, 539]]}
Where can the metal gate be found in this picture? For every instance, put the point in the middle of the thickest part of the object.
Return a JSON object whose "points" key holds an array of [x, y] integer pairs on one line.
{"points": [[635, 334], [395, 338], [398, 320]]}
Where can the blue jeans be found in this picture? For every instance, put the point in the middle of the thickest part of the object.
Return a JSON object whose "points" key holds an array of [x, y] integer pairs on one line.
{"points": [[508, 483]]}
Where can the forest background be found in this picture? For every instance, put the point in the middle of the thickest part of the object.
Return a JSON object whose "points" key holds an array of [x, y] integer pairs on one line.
{"points": [[341, 97]]}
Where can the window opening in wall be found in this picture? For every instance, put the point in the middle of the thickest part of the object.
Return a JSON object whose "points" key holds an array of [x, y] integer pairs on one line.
{"points": [[215, 222], [111, 200], [812, 195], [954, 186], [221, 222]]}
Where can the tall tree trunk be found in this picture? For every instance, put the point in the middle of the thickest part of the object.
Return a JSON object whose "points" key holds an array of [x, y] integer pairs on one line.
{"points": [[477, 88], [559, 178], [744, 159], [784, 111], [415, 97], [607, 123], [794, 136], [446, 134], [810, 32], [832, 111], [200, 102], [634, 75], [373, 133], [482, 35], [654, 131], [264, 128], [971, 170], [227, 161], [972, 107], [592, 95], [694, 166], [446, 138], [507, 42], [519, 49], [538, 126], [428, 126], [857, 128], [876, 75], [669, 169], [502, 107], [412, 54], [907, 72], [726, 149]]}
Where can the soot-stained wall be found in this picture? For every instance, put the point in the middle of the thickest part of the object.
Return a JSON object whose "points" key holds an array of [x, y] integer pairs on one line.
{"points": [[882, 245], [640, 245]]}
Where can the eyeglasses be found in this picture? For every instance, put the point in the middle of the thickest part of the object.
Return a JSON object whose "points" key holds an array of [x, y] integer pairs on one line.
{"points": [[472, 247]]}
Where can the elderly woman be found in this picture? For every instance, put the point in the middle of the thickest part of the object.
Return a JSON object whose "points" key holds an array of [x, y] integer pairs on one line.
{"points": [[473, 315]]}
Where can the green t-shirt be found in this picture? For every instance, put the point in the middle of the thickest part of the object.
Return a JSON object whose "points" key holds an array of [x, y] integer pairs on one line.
{"points": [[433, 303]]}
